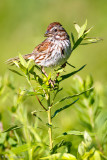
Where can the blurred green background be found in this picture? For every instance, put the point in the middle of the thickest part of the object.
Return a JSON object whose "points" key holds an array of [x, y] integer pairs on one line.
{"points": [[23, 24], [22, 27]]}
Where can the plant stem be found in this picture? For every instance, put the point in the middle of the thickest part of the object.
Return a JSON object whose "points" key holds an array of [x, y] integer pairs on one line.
{"points": [[36, 95], [50, 123], [50, 128], [40, 102], [23, 119]]}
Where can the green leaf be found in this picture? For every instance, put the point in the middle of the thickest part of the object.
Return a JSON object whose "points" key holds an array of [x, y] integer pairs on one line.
{"points": [[49, 76], [87, 43], [71, 74], [72, 37], [24, 147], [93, 40], [36, 77], [88, 154], [76, 133], [88, 139], [77, 27], [16, 63], [59, 70], [20, 149], [12, 128], [68, 144], [82, 29], [101, 118], [81, 148], [78, 42], [23, 68], [15, 72], [37, 136], [3, 138], [37, 67], [30, 65], [75, 95], [17, 136], [103, 156], [29, 93], [97, 155], [22, 61], [70, 65], [88, 30], [61, 156], [11, 141], [63, 108], [34, 113]]}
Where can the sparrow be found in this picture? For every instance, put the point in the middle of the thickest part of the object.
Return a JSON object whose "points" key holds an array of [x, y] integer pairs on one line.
{"points": [[53, 51]]}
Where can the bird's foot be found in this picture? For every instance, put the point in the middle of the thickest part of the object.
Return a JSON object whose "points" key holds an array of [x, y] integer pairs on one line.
{"points": [[52, 82], [64, 65]]}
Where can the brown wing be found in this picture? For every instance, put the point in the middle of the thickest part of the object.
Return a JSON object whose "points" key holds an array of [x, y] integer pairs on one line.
{"points": [[41, 48], [38, 53]]}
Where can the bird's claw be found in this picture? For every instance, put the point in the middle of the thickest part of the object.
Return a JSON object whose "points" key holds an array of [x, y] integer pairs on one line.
{"points": [[52, 82]]}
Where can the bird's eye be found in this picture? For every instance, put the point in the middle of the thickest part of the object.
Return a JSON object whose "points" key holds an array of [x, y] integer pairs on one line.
{"points": [[55, 30]]}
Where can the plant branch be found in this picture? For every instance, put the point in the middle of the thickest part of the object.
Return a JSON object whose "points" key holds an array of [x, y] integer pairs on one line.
{"points": [[50, 128], [40, 102], [36, 95], [50, 123]]}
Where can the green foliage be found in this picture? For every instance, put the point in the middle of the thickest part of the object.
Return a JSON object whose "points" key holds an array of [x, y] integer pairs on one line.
{"points": [[63, 108], [26, 140], [60, 156]]}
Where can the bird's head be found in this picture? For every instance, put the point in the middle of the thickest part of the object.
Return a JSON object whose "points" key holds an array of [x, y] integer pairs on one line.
{"points": [[56, 30]]}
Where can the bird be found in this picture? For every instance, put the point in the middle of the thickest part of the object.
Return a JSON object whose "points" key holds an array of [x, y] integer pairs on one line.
{"points": [[53, 51]]}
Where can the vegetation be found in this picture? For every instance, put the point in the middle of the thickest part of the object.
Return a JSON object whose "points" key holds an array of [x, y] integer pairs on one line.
{"points": [[27, 137]]}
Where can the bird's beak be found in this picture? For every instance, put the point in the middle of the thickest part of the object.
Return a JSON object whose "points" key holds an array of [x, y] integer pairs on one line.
{"points": [[46, 34]]}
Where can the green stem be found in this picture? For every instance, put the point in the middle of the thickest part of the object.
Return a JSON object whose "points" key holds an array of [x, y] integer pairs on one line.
{"points": [[50, 128], [24, 121], [36, 95], [27, 134], [50, 123]]}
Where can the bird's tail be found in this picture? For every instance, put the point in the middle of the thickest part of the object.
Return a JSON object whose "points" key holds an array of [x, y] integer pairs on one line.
{"points": [[11, 60]]}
